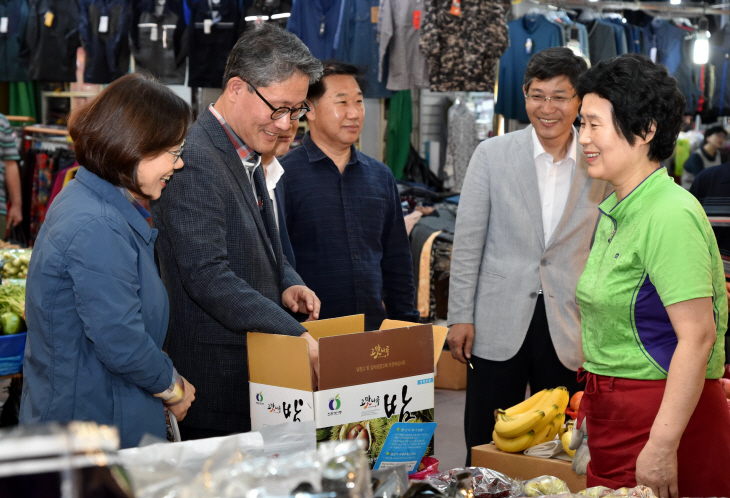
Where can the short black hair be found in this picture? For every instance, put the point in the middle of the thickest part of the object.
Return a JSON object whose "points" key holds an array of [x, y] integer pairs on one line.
{"points": [[714, 130], [641, 94], [554, 62], [332, 67], [134, 118]]}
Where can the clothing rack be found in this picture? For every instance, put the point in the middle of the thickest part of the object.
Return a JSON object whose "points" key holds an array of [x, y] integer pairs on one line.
{"points": [[692, 9]]}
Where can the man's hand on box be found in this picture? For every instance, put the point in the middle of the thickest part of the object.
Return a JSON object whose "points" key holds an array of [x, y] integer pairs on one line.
{"points": [[313, 358], [301, 299], [460, 339]]}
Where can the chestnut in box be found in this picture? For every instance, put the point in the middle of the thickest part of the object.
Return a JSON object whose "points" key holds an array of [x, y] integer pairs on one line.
{"points": [[367, 380]]}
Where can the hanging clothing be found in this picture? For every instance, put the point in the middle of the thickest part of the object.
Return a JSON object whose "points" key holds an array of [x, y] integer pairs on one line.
{"points": [[359, 43], [601, 42], [317, 24], [399, 24], [462, 142], [268, 8], [462, 51], [213, 31], [25, 98], [674, 49], [159, 39], [527, 36], [720, 60], [53, 38], [13, 46], [398, 138], [104, 28]]}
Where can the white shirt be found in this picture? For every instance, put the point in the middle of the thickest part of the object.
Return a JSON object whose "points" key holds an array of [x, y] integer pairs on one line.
{"points": [[554, 180], [274, 171]]}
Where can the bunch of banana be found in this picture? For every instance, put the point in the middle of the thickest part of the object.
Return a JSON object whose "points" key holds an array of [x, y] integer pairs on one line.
{"points": [[534, 421]]}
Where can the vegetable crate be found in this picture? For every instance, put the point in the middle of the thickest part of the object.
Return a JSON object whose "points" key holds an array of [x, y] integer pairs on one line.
{"points": [[12, 348]]}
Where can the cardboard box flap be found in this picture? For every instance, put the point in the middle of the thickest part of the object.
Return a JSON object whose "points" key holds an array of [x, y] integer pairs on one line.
{"points": [[439, 335], [354, 359], [279, 360], [336, 326]]}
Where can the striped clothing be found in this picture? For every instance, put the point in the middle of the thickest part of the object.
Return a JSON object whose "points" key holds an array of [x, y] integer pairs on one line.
{"points": [[8, 152]]}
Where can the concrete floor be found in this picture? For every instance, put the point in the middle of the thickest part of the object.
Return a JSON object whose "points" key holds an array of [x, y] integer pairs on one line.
{"points": [[450, 446]]}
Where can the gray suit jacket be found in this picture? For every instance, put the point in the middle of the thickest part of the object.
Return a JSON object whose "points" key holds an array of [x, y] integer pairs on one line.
{"points": [[222, 273], [501, 259]]}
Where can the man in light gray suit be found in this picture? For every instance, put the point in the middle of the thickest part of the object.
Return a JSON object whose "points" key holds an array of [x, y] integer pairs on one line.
{"points": [[523, 234]]}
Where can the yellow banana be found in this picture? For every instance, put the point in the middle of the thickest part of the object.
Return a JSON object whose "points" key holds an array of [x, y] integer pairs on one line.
{"points": [[558, 396], [526, 405], [557, 424], [513, 445], [566, 443], [541, 437], [516, 426], [550, 414]]}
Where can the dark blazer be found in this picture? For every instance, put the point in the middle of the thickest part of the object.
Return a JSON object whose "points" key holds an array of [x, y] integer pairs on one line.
{"points": [[223, 275], [283, 232]]}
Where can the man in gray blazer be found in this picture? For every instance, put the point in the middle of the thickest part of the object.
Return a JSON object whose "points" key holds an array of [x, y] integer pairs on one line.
{"points": [[219, 250], [523, 234]]}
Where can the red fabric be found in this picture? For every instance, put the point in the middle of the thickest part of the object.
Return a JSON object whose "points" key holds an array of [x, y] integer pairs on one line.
{"points": [[620, 413]]}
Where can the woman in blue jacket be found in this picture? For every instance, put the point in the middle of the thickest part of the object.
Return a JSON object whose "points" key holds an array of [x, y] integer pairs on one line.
{"points": [[96, 308]]}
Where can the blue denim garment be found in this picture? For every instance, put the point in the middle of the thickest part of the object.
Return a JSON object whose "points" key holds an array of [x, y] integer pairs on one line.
{"points": [[317, 24], [97, 315]]}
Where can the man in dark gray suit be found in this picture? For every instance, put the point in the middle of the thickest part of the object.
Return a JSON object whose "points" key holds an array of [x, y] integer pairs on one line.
{"points": [[219, 251], [527, 212]]}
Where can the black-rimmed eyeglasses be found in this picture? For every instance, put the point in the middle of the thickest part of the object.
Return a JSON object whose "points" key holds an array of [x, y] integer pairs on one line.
{"points": [[280, 112], [178, 152]]}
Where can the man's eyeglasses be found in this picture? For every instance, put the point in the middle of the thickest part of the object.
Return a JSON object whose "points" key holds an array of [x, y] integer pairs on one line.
{"points": [[280, 112], [557, 101], [178, 152]]}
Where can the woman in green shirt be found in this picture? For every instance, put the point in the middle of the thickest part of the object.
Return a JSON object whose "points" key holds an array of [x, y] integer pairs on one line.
{"points": [[652, 297]]}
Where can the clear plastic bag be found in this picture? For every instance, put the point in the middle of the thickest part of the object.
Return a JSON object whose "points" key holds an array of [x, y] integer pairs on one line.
{"points": [[596, 492], [545, 486]]}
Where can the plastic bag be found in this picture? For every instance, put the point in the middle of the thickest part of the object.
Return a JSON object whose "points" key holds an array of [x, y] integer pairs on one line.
{"points": [[486, 483], [390, 483], [596, 492], [544, 486], [637, 492], [431, 467]]}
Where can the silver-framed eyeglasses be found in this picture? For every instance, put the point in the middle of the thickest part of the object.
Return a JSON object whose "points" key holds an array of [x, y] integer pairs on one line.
{"points": [[280, 112], [178, 152], [557, 100]]}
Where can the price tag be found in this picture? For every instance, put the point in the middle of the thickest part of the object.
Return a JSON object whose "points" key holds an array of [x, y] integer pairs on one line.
{"points": [[104, 24], [374, 13], [48, 19], [3, 24], [416, 19], [455, 8], [153, 33], [207, 23]]}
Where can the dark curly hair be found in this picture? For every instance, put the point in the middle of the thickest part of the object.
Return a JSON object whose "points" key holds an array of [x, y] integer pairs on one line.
{"points": [[642, 94]]}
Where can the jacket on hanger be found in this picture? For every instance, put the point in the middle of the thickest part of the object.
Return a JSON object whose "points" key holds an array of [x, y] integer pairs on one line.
{"points": [[317, 24], [462, 51], [53, 38], [104, 28], [159, 42], [213, 32], [399, 24], [13, 48]]}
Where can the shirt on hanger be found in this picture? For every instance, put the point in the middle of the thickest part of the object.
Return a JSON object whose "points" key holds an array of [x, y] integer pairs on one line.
{"points": [[13, 48], [399, 25], [316, 23]]}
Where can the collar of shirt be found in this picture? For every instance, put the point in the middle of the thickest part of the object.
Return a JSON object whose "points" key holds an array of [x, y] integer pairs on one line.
{"points": [[538, 149], [140, 208], [249, 157], [314, 153], [274, 172]]}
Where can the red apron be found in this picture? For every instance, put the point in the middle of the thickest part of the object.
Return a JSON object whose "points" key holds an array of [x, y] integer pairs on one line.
{"points": [[620, 413]]}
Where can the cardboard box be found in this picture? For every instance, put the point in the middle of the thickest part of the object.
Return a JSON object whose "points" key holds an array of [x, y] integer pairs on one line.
{"points": [[521, 466], [367, 380], [450, 373]]}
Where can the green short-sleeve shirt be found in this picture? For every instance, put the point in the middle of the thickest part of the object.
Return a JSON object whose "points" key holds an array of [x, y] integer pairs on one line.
{"points": [[653, 249]]}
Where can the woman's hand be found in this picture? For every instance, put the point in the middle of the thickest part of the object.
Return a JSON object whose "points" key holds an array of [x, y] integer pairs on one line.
{"points": [[181, 409], [656, 467]]}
